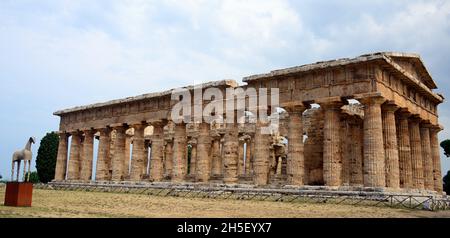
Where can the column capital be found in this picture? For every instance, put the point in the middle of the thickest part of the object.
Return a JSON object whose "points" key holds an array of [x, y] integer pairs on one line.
{"points": [[403, 113], [425, 124], [375, 99], [415, 118], [138, 126], [293, 107], [62, 133], [331, 102], [389, 106], [436, 128], [116, 126], [158, 123]]}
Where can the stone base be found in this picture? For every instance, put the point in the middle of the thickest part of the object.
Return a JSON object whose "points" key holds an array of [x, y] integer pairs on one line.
{"points": [[18, 194]]}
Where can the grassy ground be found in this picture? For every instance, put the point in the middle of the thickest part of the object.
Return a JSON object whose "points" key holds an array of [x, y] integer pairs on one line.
{"points": [[49, 203]]}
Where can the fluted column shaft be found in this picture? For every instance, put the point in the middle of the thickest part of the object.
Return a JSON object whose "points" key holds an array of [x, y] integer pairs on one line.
{"points": [[416, 153], [138, 153], [156, 163], [88, 153], [241, 164], [119, 154], [216, 168], [295, 160], [74, 159], [194, 156], [230, 158], [103, 155], [356, 151], [261, 156], [247, 158], [179, 153], [390, 146], [168, 159], [427, 159], [203, 169], [61, 161], [374, 159], [434, 144], [404, 150], [332, 166]]}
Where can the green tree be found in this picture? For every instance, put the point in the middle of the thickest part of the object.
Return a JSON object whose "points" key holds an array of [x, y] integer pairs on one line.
{"points": [[46, 157], [446, 181], [34, 177], [446, 146]]}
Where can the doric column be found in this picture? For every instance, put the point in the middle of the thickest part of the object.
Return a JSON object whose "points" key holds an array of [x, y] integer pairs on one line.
{"points": [[434, 144], [168, 158], [126, 159], [356, 151], [103, 155], [203, 169], [74, 158], [138, 153], [119, 154], [331, 149], [241, 168], [390, 145], [61, 160], [295, 159], [374, 166], [230, 158], [346, 146], [216, 169], [261, 155], [156, 163], [416, 153], [194, 156], [404, 149], [179, 153], [88, 153], [248, 157], [427, 159]]}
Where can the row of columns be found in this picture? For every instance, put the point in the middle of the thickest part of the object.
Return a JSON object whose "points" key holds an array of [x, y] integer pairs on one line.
{"points": [[392, 149], [399, 150]]}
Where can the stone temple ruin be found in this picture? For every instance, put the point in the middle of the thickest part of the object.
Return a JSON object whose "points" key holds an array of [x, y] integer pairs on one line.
{"points": [[366, 122]]}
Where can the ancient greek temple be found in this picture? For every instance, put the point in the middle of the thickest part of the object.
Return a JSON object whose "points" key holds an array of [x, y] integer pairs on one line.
{"points": [[370, 121]]}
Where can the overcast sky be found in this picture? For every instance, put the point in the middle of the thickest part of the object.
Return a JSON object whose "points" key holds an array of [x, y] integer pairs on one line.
{"points": [[56, 54]]}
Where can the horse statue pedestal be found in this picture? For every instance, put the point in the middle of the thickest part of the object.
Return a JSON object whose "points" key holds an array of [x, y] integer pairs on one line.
{"points": [[18, 194]]}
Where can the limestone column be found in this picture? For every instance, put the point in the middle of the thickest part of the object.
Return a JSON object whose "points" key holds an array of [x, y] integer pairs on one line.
{"points": [[138, 153], [216, 168], [88, 153], [295, 159], [103, 155], [168, 159], [61, 161], [156, 163], [427, 159], [373, 150], [193, 161], [331, 150], [119, 154], [356, 152], [247, 158], [434, 144], [390, 146], [74, 158], [346, 146], [203, 168], [261, 155], [179, 153], [127, 158], [404, 149], [416, 153], [241, 165], [230, 158]]}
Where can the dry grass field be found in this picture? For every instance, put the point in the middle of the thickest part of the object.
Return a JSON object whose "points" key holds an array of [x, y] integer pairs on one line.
{"points": [[49, 203]]}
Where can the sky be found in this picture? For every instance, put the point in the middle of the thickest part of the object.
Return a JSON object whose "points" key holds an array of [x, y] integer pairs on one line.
{"points": [[56, 54]]}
